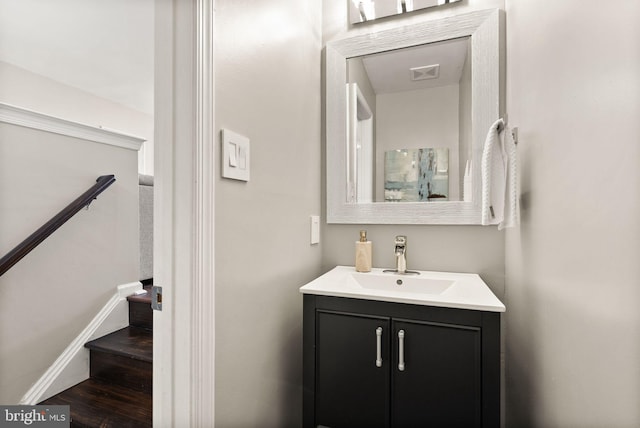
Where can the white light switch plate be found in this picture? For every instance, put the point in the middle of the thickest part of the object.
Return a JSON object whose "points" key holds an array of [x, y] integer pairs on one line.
{"points": [[315, 229], [235, 155]]}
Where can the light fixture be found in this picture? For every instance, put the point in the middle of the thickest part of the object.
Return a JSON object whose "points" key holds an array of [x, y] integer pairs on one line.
{"points": [[405, 6]]}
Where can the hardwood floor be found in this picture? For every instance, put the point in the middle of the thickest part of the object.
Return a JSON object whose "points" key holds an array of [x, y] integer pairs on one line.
{"points": [[98, 403]]}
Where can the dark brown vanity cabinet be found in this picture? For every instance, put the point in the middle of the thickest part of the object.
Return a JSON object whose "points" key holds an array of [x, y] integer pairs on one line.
{"points": [[375, 364]]}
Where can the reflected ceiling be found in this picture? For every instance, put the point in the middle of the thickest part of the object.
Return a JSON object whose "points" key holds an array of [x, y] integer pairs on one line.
{"points": [[390, 72]]}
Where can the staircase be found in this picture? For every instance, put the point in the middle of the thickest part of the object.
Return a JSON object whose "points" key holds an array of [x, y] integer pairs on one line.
{"points": [[118, 393]]}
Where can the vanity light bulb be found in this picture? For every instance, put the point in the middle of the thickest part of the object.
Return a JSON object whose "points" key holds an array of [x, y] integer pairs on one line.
{"points": [[405, 6]]}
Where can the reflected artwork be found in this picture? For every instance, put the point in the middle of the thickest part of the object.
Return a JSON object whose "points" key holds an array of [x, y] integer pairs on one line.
{"points": [[416, 175]]}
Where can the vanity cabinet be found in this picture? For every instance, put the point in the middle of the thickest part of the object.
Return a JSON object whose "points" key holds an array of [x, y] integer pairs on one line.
{"points": [[379, 364]]}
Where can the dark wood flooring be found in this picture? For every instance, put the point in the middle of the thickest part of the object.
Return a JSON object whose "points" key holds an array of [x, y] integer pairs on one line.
{"points": [[98, 403]]}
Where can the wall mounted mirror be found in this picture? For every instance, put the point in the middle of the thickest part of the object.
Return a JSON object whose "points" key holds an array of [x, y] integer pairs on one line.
{"points": [[368, 10], [408, 110], [409, 114]]}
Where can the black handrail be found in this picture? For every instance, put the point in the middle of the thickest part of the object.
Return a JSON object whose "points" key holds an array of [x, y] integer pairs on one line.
{"points": [[25, 247]]}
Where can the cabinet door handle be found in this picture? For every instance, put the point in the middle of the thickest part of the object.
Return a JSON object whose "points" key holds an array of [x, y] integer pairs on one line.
{"points": [[379, 347], [401, 350]]}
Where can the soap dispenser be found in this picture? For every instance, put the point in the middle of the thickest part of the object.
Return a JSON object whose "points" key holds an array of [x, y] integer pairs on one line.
{"points": [[363, 253]]}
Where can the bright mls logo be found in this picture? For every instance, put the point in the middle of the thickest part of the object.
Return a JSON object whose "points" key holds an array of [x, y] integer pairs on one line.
{"points": [[35, 416]]}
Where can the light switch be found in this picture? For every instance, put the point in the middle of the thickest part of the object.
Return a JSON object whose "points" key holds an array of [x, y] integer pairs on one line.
{"points": [[315, 229], [233, 160], [242, 158], [235, 155]]}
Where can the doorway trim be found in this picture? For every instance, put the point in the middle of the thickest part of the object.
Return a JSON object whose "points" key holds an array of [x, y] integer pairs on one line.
{"points": [[184, 332]]}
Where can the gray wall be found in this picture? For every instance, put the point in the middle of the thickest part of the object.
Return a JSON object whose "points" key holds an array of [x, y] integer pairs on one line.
{"points": [[268, 89], [35, 92], [49, 296], [572, 320]]}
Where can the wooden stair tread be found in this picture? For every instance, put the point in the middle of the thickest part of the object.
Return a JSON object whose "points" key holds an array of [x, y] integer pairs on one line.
{"points": [[133, 342], [96, 403]]}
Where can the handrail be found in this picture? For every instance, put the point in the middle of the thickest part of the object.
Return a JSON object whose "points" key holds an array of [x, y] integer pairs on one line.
{"points": [[25, 247]]}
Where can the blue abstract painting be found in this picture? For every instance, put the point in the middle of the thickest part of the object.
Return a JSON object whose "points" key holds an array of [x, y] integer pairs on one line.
{"points": [[415, 175]]}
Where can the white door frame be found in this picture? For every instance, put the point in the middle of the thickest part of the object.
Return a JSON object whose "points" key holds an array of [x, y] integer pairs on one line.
{"points": [[184, 332]]}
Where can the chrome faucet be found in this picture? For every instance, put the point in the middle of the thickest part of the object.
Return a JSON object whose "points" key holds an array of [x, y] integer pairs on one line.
{"points": [[401, 257]]}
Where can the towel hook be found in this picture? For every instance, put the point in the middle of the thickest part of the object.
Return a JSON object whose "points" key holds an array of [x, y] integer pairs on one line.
{"points": [[514, 135], [514, 131]]}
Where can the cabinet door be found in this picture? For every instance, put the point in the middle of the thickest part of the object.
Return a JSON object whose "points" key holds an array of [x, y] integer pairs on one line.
{"points": [[440, 383], [352, 389]]}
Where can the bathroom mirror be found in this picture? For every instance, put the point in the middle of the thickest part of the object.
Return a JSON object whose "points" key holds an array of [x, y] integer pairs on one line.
{"points": [[412, 112], [352, 116], [368, 10]]}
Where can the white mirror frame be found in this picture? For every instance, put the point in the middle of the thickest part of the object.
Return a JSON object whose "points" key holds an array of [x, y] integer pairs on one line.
{"points": [[484, 29]]}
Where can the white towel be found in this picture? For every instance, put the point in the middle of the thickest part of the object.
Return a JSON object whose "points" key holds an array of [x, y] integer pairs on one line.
{"points": [[499, 178], [512, 197]]}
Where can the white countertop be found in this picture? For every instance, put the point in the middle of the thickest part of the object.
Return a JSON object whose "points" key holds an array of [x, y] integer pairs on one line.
{"points": [[461, 290]]}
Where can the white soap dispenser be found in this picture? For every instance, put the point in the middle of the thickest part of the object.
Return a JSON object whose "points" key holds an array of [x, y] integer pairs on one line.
{"points": [[363, 253]]}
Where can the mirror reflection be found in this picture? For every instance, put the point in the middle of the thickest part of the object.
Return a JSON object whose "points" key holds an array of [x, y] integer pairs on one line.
{"points": [[416, 175], [368, 10], [409, 124]]}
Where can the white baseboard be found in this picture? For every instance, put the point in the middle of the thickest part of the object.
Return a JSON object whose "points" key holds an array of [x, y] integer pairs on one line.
{"points": [[72, 366]]}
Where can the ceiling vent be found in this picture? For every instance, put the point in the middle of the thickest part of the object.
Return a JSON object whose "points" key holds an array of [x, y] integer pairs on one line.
{"points": [[425, 72]]}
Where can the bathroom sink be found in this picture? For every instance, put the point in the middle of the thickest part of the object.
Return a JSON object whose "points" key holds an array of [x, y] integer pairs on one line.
{"points": [[444, 289], [421, 284]]}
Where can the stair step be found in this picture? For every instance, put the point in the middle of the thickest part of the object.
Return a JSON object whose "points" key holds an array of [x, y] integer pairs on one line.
{"points": [[119, 392], [140, 312], [96, 403], [123, 371], [131, 342]]}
